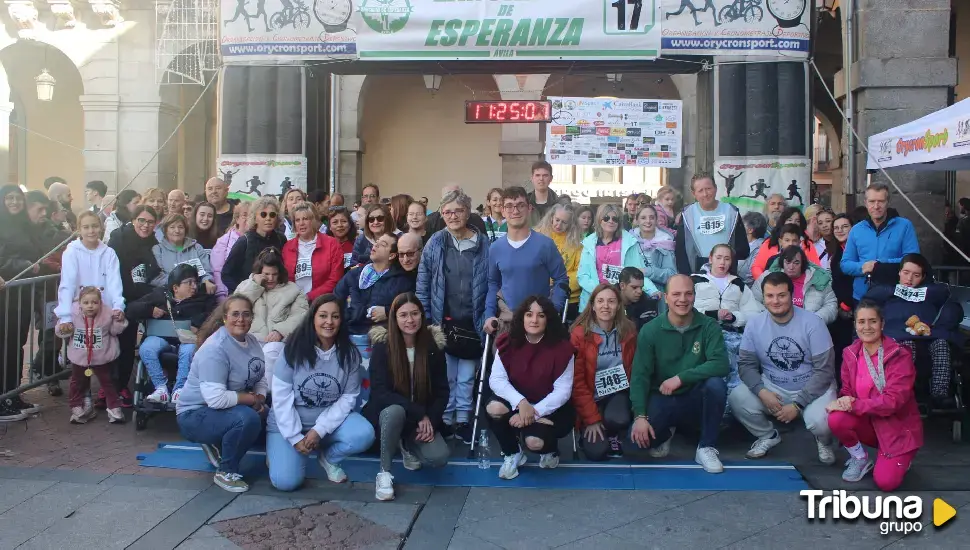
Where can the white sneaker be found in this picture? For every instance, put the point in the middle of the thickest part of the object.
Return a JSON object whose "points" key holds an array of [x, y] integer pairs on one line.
{"points": [[160, 395], [78, 416], [708, 459], [662, 450], [761, 447], [549, 461], [335, 473], [411, 461], [115, 416], [825, 453], [511, 464], [385, 486], [175, 396]]}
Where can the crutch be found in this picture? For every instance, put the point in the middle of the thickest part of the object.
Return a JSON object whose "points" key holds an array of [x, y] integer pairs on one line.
{"points": [[572, 434], [481, 389]]}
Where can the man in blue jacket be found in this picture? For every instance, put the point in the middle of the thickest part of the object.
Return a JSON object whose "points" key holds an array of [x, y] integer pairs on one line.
{"points": [[877, 245]]}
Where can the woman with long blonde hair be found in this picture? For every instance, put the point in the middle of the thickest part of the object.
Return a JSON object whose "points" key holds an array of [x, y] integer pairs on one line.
{"points": [[559, 224]]}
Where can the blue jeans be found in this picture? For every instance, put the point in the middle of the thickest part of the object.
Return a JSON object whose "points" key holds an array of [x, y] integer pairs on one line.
{"points": [[152, 348], [701, 406], [233, 430], [461, 381], [287, 467]]}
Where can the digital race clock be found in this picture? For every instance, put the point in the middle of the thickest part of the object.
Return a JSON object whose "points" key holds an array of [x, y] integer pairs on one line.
{"points": [[507, 111]]}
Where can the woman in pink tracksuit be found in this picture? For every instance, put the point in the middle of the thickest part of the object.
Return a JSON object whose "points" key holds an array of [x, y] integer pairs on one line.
{"points": [[224, 244], [93, 348], [877, 407]]}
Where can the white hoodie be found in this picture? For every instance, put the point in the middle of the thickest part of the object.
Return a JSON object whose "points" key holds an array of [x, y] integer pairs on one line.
{"points": [[81, 267]]}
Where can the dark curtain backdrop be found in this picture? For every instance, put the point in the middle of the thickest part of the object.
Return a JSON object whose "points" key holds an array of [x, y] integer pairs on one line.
{"points": [[262, 110], [763, 110]]}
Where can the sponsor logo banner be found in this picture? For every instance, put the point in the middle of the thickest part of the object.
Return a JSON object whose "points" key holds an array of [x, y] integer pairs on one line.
{"points": [[736, 27], [747, 182], [252, 176], [287, 30]]}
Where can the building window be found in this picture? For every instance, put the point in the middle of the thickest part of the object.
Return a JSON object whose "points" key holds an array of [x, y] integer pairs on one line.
{"points": [[602, 174]]}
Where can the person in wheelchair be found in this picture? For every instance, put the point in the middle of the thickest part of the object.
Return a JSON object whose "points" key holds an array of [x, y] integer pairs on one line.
{"points": [[180, 300], [919, 315]]}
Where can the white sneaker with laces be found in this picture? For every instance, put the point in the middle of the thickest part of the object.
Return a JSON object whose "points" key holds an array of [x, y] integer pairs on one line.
{"points": [[411, 461], [115, 416], [385, 486], [77, 416], [175, 396], [761, 447], [708, 459], [825, 453], [549, 461], [160, 395], [335, 473], [662, 450], [511, 464]]}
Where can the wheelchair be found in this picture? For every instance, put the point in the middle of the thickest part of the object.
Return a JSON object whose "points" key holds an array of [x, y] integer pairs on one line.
{"points": [[954, 409], [143, 411]]}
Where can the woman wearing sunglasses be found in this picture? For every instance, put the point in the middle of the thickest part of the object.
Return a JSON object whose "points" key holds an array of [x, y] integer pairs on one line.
{"points": [[606, 252], [264, 218], [377, 223]]}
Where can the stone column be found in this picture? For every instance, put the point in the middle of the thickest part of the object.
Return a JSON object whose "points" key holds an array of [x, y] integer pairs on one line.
{"points": [[143, 126], [902, 72], [6, 108], [351, 147], [522, 144], [101, 134], [696, 92]]}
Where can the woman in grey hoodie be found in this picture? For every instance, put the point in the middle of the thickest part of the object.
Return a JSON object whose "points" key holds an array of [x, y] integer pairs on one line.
{"points": [[175, 248]]}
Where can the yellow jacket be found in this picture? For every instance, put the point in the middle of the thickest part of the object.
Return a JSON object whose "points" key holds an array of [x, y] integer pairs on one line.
{"points": [[570, 257]]}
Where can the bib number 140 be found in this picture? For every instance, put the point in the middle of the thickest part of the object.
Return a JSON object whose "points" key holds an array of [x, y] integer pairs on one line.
{"points": [[621, 14]]}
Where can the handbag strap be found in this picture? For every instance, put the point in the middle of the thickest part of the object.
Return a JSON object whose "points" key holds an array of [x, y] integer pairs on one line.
{"points": [[168, 305]]}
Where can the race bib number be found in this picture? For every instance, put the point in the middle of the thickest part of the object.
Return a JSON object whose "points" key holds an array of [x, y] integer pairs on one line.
{"points": [[911, 294], [197, 264], [79, 340], [347, 259], [304, 268], [710, 225], [610, 381], [139, 273], [611, 273]]}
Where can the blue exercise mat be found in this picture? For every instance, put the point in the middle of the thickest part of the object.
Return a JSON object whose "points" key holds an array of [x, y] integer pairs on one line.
{"points": [[654, 475]]}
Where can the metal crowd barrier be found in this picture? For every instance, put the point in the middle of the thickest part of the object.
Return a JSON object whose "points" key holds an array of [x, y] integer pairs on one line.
{"points": [[27, 337], [956, 275]]}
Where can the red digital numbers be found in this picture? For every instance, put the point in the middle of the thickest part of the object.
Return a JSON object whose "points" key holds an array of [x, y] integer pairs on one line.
{"points": [[504, 112]]}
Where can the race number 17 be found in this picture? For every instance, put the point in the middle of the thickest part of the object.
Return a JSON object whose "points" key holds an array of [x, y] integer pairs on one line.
{"points": [[623, 21]]}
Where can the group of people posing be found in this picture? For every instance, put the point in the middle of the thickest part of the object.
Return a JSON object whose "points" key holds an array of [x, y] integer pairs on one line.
{"points": [[626, 321]]}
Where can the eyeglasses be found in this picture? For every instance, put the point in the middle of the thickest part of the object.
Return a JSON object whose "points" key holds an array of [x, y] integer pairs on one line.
{"points": [[518, 207], [270, 215], [190, 282], [371, 196], [608, 219], [408, 255], [453, 213], [246, 315], [144, 221], [376, 219]]}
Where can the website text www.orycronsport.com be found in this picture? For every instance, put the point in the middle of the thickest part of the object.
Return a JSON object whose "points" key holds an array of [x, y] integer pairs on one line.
{"points": [[734, 44], [304, 48]]}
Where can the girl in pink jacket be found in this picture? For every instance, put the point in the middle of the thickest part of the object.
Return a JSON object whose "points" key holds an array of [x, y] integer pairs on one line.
{"points": [[877, 406], [92, 350]]}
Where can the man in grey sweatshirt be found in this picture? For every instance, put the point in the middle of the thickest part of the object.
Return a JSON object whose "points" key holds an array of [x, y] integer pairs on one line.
{"points": [[787, 366]]}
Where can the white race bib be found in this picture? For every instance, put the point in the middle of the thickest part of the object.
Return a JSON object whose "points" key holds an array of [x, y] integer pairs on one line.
{"points": [[610, 381], [611, 273], [347, 259], [910, 294], [710, 225], [197, 264], [138, 274], [304, 268], [78, 341]]}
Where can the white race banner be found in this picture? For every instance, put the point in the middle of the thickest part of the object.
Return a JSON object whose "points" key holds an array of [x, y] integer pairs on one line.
{"points": [[932, 139], [615, 132], [252, 176], [287, 30], [747, 182], [517, 29], [736, 27]]}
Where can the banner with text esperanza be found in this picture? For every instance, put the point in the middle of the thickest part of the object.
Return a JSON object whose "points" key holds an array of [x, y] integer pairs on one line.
{"points": [[737, 27], [517, 29]]}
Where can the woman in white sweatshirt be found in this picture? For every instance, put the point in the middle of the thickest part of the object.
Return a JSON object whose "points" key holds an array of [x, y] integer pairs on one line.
{"points": [[315, 387], [89, 262]]}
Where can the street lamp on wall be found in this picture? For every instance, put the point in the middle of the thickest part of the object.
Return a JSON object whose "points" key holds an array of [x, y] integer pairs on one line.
{"points": [[432, 82], [45, 86]]}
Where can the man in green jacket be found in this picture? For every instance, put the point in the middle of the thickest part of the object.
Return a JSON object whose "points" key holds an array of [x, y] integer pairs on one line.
{"points": [[678, 377]]}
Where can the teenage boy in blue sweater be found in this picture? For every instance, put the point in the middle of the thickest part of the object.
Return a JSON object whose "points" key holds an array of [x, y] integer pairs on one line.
{"points": [[523, 262]]}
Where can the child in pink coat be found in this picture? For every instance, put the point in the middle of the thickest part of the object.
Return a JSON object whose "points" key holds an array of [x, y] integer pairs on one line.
{"points": [[92, 350], [877, 407]]}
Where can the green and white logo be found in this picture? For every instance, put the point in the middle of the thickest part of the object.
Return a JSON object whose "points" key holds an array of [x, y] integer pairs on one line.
{"points": [[385, 16]]}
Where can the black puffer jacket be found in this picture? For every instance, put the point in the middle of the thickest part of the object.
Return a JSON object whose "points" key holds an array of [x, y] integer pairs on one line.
{"points": [[138, 265], [239, 262]]}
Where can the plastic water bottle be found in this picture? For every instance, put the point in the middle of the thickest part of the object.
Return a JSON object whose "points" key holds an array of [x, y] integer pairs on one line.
{"points": [[483, 452]]}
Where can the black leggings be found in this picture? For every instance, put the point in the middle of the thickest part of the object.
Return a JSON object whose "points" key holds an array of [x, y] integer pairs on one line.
{"points": [[615, 410], [508, 437], [126, 357]]}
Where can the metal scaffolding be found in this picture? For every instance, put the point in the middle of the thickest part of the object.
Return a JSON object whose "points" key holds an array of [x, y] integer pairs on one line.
{"points": [[187, 51]]}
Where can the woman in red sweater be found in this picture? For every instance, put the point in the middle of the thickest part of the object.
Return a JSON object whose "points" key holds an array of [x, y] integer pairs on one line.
{"points": [[314, 261], [877, 407]]}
